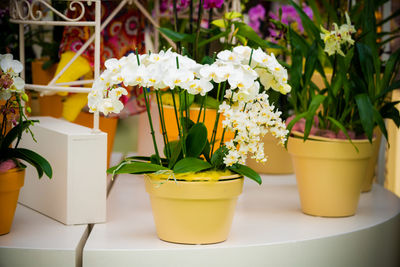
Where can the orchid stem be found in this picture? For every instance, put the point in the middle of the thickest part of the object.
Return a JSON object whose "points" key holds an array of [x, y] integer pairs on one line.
{"points": [[162, 122], [146, 100]]}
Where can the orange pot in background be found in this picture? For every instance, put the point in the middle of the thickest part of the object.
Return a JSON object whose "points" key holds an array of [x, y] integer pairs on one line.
{"points": [[211, 114], [10, 183]]}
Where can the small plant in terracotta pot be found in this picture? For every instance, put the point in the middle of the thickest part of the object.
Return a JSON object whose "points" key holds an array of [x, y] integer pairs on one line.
{"points": [[13, 123]]}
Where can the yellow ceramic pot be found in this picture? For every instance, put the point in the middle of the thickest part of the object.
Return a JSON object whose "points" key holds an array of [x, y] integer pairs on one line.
{"points": [[329, 174], [279, 160], [10, 183], [193, 212], [371, 170]]}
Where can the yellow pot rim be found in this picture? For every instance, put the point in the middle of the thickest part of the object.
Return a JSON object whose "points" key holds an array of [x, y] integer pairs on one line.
{"points": [[299, 135], [208, 176], [326, 149], [16, 169]]}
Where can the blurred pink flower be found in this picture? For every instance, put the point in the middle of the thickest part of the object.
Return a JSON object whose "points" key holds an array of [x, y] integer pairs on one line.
{"points": [[7, 165], [212, 4]]}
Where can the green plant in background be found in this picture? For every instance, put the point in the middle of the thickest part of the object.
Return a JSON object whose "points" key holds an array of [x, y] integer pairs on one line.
{"points": [[14, 121], [356, 98], [201, 42]]}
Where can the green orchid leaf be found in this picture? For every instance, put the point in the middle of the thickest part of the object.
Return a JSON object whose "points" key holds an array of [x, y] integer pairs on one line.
{"points": [[393, 86], [366, 63], [14, 132], [389, 111], [186, 123], [344, 130], [177, 36], [250, 34], [391, 64], [144, 158], [189, 100], [220, 23], [196, 140], [176, 152], [217, 159], [246, 171], [232, 15], [41, 164], [316, 11], [211, 102], [309, 26], [381, 123], [206, 151], [191, 165], [366, 111], [155, 159], [296, 119], [135, 168], [213, 38], [314, 105], [311, 63]]}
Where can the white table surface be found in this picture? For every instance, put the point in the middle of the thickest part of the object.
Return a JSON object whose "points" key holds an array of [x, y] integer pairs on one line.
{"points": [[37, 240], [268, 229]]}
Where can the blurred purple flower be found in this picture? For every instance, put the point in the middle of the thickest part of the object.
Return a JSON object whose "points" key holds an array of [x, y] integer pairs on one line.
{"points": [[256, 14], [212, 3], [290, 15]]}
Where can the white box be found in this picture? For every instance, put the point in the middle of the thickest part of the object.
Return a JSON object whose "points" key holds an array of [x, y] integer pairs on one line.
{"points": [[77, 192]]}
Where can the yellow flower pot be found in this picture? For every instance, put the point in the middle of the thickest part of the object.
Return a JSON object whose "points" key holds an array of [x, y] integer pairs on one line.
{"points": [[10, 183], [193, 212], [279, 160], [369, 179], [329, 174]]}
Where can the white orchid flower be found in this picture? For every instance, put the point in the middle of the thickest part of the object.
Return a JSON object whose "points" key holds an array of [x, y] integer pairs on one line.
{"points": [[243, 52], [19, 85], [10, 65], [178, 77], [199, 87], [109, 105], [138, 76], [116, 93], [212, 72], [229, 56]]}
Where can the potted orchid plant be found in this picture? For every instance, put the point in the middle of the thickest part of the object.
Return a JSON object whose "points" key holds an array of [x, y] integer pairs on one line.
{"points": [[198, 166], [337, 121], [13, 123]]}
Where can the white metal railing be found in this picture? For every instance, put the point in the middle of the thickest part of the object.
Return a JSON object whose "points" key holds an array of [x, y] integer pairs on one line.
{"points": [[28, 12]]}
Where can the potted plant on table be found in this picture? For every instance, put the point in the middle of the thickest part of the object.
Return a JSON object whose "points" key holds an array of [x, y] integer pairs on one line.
{"points": [[193, 189], [13, 123], [334, 125]]}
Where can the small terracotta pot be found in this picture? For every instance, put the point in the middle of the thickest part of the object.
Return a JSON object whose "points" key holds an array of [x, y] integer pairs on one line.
{"points": [[10, 183], [193, 212], [329, 174]]}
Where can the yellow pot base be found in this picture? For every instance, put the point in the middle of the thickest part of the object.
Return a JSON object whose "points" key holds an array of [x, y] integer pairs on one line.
{"points": [[329, 175], [199, 212]]}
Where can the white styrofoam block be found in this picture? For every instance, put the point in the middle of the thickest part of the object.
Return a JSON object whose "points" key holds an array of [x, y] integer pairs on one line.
{"points": [[77, 192]]}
